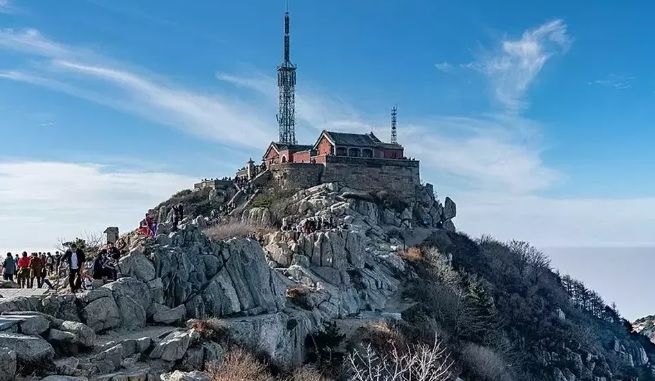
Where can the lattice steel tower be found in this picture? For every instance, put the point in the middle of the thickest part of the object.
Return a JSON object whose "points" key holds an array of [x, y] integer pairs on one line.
{"points": [[394, 124], [286, 81]]}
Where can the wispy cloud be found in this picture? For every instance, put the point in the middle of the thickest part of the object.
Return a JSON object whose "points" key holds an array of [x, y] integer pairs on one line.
{"points": [[615, 81], [444, 67], [315, 109], [135, 90], [42, 201], [6, 6], [514, 66]]}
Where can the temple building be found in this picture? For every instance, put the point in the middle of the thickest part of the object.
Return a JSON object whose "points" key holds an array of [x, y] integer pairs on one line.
{"points": [[331, 143]]}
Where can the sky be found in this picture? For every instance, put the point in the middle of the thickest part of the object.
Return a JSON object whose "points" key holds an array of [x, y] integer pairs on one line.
{"points": [[535, 117]]}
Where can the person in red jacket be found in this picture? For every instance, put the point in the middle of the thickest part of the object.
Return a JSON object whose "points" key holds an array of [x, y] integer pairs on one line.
{"points": [[23, 270]]}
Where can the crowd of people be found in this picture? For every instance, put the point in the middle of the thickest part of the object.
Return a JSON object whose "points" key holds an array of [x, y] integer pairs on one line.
{"points": [[37, 269], [310, 225], [30, 270]]}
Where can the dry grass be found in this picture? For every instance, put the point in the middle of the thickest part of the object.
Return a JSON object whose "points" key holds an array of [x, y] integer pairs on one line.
{"points": [[413, 254], [307, 373], [300, 296], [235, 229], [210, 329], [486, 364], [239, 365]]}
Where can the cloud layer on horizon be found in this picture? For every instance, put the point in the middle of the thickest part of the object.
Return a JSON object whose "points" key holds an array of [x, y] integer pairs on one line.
{"points": [[43, 201]]}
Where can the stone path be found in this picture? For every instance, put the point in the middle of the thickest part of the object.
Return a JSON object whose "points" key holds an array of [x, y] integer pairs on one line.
{"points": [[8, 293]]}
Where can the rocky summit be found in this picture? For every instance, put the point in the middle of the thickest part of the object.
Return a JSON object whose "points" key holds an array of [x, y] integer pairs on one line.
{"points": [[291, 276]]}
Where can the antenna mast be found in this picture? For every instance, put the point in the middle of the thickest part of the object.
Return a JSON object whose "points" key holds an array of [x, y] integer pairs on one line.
{"points": [[286, 81], [394, 124]]}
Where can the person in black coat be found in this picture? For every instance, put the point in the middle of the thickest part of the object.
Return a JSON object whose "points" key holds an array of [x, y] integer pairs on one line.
{"points": [[75, 258]]}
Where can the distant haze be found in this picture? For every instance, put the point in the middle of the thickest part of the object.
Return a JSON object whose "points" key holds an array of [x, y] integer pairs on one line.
{"points": [[619, 274]]}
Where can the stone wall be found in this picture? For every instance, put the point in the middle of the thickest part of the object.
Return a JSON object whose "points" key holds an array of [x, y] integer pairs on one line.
{"points": [[296, 175], [213, 184], [398, 176]]}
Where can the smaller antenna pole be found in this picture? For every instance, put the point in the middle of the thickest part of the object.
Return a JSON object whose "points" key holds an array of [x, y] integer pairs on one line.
{"points": [[394, 124]]}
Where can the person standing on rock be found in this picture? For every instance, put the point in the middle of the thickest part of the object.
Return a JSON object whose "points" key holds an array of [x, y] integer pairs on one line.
{"points": [[23, 270], [74, 257], [9, 268]]}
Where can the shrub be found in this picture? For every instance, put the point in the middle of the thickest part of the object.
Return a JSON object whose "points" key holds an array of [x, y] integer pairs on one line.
{"points": [[417, 363], [234, 229], [325, 346], [413, 254], [485, 364], [307, 373], [210, 329], [182, 193], [239, 365], [300, 296], [262, 201]]}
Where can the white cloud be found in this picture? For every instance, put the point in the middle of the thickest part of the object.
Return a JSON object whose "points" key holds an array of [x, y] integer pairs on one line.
{"points": [[513, 68], [491, 159], [149, 96], [444, 67], [315, 109], [6, 6], [545, 221], [41, 202], [619, 82]]}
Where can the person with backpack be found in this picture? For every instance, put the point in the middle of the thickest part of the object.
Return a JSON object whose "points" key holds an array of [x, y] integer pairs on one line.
{"points": [[9, 268]]}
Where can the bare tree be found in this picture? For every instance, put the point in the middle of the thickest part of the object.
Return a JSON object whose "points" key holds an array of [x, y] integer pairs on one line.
{"points": [[418, 363]]}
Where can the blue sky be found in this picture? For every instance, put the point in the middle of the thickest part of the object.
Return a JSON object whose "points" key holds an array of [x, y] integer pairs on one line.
{"points": [[534, 116]]}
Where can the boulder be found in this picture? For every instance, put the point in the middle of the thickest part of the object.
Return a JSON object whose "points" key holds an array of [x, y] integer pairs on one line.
{"points": [[60, 306], [109, 359], [449, 209], [20, 303], [65, 342], [137, 265], [133, 300], [28, 349], [172, 347], [449, 226], [185, 376], [101, 314], [7, 364], [156, 287], [166, 315], [34, 324], [84, 335], [135, 346]]}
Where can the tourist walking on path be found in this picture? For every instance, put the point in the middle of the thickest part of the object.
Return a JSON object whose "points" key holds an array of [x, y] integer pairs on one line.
{"points": [[74, 257], [23, 270], [50, 264], [36, 270], [9, 268]]}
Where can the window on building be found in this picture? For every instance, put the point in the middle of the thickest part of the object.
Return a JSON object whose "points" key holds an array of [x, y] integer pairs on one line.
{"points": [[284, 159], [341, 151], [367, 152], [353, 152]]}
